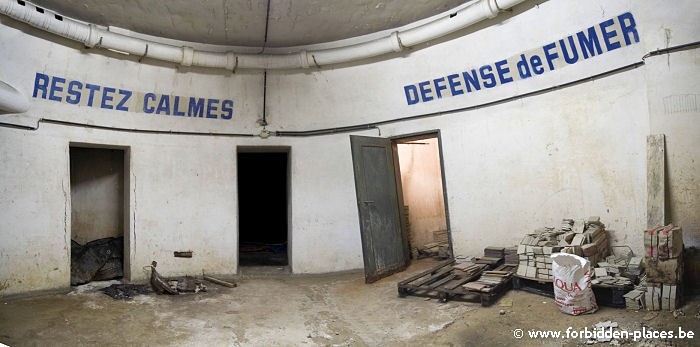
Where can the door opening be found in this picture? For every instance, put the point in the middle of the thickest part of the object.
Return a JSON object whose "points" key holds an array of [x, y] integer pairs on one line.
{"points": [[98, 247], [263, 207], [424, 211]]}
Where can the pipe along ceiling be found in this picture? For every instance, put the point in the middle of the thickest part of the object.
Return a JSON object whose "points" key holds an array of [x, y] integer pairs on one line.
{"points": [[94, 36]]}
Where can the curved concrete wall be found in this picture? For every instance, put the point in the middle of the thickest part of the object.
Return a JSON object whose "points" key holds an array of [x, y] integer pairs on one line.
{"points": [[510, 167]]}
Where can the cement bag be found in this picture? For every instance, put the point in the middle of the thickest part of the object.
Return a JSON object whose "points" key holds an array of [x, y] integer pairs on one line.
{"points": [[572, 284]]}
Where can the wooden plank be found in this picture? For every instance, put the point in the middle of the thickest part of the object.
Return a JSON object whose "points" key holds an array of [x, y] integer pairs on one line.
{"points": [[655, 180], [432, 270], [456, 286], [219, 282], [441, 274], [442, 281]]}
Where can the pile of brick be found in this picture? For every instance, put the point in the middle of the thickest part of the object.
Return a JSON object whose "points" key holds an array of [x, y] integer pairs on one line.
{"points": [[584, 238], [511, 256], [664, 267], [613, 270], [634, 299], [439, 249]]}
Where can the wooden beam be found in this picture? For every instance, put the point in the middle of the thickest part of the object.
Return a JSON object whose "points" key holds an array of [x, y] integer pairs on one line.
{"points": [[656, 191]]}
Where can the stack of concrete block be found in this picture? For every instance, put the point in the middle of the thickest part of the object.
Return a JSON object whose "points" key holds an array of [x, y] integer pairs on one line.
{"points": [[660, 296], [536, 261], [511, 256], [634, 299], [587, 239], [494, 252], [439, 249], [584, 238], [634, 267], [610, 271], [664, 266]]}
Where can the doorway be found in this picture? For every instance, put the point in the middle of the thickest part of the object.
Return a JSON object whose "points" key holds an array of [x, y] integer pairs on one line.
{"points": [[397, 222], [423, 212], [98, 213], [263, 200]]}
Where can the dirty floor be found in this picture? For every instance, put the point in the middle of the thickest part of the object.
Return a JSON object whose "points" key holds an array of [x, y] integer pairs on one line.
{"points": [[328, 310]]}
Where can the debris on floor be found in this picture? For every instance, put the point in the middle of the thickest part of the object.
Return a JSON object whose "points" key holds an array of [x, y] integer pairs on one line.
{"points": [[91, 287], [611, 270], [651, 315], [634, 300], [438, 249], [506, 303], [604, 332], [481, 279], [159, 285], [125, 291], [586, 239], [97, 260], [175, 285], [187, 285], [220, 282], [678, 313]]}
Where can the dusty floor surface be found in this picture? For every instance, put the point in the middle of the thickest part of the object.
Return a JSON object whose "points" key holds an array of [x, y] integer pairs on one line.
{"points": [[324, 310]]}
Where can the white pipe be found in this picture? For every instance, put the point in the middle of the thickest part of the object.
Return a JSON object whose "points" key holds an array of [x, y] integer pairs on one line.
{"points": [[12, 100], [359, 51], [94, 36], [469, 15]]}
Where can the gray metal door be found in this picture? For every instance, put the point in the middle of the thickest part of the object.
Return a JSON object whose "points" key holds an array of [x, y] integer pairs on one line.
{"points": [[383, 242]]}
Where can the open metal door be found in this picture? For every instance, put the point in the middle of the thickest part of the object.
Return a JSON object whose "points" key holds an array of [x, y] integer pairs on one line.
{"points": [[383, 241]]}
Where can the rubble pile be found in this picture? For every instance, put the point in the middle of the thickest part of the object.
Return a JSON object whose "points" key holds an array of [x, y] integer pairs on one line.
{"points": [[583, 238], [439, 249], [613, 270], [96, 260]]}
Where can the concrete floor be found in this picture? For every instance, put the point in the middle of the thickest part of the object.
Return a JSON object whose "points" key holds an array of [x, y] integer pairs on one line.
{"points": [[289, 310]]}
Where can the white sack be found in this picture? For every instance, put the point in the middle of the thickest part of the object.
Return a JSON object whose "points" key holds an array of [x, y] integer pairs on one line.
{"points": [[572, 284]]}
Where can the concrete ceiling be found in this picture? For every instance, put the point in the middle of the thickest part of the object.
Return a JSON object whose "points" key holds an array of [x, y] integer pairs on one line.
{"points": [[243, 22]]}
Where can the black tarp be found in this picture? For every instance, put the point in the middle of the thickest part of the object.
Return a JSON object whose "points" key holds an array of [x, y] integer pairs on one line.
{"points": [[97, 260]]}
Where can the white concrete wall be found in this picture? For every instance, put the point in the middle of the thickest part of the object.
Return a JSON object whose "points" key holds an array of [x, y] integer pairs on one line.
{"points": [[510, 168], [571, 152], [673, 92], [182, 189], [674, 110]]}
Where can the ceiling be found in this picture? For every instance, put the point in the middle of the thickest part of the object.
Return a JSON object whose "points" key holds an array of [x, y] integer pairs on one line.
{"points": [[243, 22]]}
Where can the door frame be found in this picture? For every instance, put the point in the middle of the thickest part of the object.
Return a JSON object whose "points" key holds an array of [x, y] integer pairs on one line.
{"points": [[428, 134], [267, 149], [128, 214]]}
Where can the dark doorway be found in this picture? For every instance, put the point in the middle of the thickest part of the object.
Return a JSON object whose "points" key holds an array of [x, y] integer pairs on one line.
{"points": [[97, 177], [263, 208]]}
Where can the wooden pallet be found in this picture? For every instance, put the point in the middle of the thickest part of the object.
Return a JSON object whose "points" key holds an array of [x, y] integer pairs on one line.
{"points": [[444, 283], [606, 295]]}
